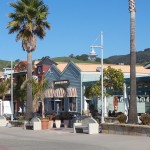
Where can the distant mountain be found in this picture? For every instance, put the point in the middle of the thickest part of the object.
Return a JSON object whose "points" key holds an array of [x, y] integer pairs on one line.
{"points": [[142, 58]]}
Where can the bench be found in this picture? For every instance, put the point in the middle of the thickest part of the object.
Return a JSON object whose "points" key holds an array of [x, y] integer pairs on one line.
{"points": [[3, 121], [16, 123], [34, 124], [89, 125]]}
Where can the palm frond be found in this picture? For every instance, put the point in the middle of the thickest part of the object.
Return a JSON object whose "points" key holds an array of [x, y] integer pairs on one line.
{"points": [[28, 19]]}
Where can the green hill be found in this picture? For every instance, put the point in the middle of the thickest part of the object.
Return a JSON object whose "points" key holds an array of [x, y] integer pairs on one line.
{"points": [[4, 64], [67, 59], [142, 58]]}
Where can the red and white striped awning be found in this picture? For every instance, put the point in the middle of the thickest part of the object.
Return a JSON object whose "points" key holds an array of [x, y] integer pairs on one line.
{"points": [[60, 92], [72, 92], [49, 93]]}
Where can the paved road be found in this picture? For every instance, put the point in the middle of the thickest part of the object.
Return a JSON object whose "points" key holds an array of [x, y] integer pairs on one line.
{"points": [[16, 138]]}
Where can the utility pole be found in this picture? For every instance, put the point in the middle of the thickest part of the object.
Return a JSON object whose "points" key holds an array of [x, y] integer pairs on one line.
{"points": [[12, 103]]}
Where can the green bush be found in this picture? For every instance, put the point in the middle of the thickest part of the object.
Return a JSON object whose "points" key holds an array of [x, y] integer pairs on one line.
{"points": [[21, 117], [122, 118], [145, 118], [66, 115]]}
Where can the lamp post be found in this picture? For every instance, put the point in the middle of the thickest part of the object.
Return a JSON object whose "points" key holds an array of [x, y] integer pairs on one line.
{"points": [[102, 86], [12, 103]]}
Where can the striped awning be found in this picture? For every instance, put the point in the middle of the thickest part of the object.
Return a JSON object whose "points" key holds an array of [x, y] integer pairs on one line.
{"points": [[60, 92], [72, 92], [49, 93]]}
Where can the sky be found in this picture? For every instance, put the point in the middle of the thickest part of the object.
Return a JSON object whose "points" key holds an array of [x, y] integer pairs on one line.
{"points": [[77, 24]]}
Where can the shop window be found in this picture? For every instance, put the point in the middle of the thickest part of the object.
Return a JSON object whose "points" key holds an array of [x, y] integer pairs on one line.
{"points": [[60, 104], [72, 103], [52, 104]]}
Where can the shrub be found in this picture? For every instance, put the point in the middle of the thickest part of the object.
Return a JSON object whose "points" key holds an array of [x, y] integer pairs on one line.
{"points": [[50, 116], [122, 118], [21, 117], [145, 118], [66, 115]]}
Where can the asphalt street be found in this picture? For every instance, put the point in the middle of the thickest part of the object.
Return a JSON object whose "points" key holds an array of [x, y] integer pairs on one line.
{"points": [[16, 138]]}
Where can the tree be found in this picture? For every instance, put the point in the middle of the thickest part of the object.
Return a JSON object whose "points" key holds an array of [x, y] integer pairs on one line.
{"points": [[133, 102], [113, 81], [93, 90], [83, 57], [4, 88], [29, 22], [71, 55]]}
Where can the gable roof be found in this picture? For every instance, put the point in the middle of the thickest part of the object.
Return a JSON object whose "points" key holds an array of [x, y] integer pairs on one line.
{"points": [[61, 66], [46, 61]]}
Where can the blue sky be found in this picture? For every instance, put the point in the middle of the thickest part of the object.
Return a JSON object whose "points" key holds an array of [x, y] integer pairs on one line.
{"points": [[76, 24]]}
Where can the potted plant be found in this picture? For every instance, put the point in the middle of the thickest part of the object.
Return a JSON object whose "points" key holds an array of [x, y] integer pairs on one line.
{"points": [[51, 122], [45, 123], [57, 121], [66, 118]]}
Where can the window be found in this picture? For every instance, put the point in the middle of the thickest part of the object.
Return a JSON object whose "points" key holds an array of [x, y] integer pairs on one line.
{"points": [[60, 104], [52, 103], [39, 70], [72, 103]]}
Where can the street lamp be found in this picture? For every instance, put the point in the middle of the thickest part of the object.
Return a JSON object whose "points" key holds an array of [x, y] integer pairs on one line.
{"points": [[102, 86], [12, 102]]}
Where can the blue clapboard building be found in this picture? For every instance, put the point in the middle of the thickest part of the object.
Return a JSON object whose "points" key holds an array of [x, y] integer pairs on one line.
{"points": [[69, 80]]}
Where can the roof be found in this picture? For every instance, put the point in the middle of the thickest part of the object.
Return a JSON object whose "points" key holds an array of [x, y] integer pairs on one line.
{"points": [[61, 66], [46, 61], [147, 66], [86, 67]]}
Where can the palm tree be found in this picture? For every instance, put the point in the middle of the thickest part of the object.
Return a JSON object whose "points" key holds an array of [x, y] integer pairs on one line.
{"points": [[133, 102], [29, 22], [4, 89]]}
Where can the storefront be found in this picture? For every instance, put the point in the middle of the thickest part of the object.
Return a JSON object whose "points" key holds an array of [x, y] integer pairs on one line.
{"points": [[68, 82], [61, 98]]}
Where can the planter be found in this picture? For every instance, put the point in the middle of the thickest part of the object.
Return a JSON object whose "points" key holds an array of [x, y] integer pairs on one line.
{"points": [[45, 123], [66, 123], [57, 123], [51, 122], [125, 129]]}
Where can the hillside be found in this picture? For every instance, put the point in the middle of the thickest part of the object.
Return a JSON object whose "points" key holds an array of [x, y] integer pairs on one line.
{"points": [[142, 58], [67, 59], [4, 64]]}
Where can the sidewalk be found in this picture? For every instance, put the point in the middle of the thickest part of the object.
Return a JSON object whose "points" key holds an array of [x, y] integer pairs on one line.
{"points": [[16, 138]]}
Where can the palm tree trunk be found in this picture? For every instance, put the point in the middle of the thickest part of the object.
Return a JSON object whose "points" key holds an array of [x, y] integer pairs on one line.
{"points": [[133, 102], [29, 86], [43, 109], [3, 97]]}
